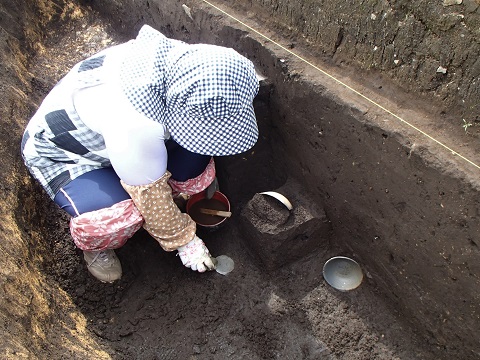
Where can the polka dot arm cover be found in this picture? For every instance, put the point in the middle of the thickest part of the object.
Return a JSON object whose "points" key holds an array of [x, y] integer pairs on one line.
{"points": [[163, 219]]}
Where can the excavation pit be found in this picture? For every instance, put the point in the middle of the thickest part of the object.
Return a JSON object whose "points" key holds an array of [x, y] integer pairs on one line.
{"points": [[377, 190]]}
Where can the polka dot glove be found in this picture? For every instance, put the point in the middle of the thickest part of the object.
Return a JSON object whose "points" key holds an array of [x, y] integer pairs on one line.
{"points": [[196, 256]]}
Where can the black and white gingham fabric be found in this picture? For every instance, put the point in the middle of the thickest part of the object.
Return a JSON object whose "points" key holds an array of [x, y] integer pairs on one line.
{"points": [[57, 146], [202, 93]]}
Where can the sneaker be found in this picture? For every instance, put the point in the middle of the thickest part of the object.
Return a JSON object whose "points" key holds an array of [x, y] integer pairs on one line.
{"points": [[104, 265]]}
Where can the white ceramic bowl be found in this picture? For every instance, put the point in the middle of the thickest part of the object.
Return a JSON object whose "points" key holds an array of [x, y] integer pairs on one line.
{"points": [[342, 273]]}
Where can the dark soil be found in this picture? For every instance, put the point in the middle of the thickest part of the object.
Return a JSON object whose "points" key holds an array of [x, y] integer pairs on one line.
{"points": [[160, 309]]}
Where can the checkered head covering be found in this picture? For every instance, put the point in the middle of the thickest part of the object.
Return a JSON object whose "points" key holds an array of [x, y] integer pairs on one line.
{"points": [[202, 93], [209, 95]]}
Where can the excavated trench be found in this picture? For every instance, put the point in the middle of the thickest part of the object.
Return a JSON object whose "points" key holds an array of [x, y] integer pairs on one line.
{"points": [[368, 188]]}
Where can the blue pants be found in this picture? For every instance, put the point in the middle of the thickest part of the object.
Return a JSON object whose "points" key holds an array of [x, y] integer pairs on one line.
{"points": [[99, 189]]}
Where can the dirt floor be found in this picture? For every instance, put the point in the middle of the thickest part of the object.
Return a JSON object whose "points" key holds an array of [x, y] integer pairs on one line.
{"points": [[161, 310]]}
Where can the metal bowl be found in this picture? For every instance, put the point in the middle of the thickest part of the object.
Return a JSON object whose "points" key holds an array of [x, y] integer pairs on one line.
{"points": [[342, 273]]}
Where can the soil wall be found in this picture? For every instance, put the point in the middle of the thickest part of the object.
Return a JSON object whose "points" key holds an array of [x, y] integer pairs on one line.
{"points": [[427, 47], [36, 317]]}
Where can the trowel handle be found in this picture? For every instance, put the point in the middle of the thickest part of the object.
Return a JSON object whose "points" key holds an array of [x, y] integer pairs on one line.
{"points": [[216, 212]]}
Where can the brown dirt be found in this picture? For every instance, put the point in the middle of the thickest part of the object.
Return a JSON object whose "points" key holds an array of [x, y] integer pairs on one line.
{"points": [[159, 309], [162, 310]]}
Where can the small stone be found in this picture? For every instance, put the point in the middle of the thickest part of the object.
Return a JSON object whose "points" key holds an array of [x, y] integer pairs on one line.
{"points": [[125, 333], [441, 70], [187, 11], [452, 2]]}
